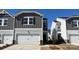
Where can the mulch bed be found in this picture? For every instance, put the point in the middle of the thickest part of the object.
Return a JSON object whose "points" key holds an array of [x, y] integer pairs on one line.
{"points": [[60, 47], [50, 47], [69, 47], [7, 45]]}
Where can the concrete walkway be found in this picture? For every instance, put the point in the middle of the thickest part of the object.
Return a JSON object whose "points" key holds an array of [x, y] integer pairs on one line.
{"points": [[23, 47]]}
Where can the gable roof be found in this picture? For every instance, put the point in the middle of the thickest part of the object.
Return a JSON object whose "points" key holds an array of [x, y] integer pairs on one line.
{"points": [[63, 17], [28, 12], [2, 11]]}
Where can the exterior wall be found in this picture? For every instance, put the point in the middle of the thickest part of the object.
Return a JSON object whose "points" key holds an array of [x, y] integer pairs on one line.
{"points": [[10, 22], [5, 32], [63, 28], [69, 23], [34, 31], [38, 21]]}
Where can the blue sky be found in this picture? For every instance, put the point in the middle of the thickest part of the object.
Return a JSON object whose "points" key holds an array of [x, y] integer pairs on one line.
{"points": [[51, 14]]}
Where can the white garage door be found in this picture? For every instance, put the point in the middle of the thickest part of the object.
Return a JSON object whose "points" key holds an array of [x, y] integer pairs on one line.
{"points": [[28, 39], [8, 39], [74, 40]]}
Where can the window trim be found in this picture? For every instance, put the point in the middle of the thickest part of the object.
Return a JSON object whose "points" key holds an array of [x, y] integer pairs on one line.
{"points": [[7, 22], [24, 23], [28, 17], [3, 19], [77, 23]]}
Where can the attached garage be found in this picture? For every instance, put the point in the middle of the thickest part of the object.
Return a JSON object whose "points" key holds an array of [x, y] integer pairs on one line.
{"points": [[74, 39], [8, 39], [28, 39]]}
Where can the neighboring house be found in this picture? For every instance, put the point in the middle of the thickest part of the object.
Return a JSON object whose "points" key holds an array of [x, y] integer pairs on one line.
{"points": [[68, 29], [45, 30], [28, 27], [6, 27]]}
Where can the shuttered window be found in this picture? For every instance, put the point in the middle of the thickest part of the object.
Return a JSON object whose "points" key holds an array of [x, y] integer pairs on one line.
{"points": [[25, 20], [3, 21], [76, 23], [0, 22], [28, 20], [31, 20]]}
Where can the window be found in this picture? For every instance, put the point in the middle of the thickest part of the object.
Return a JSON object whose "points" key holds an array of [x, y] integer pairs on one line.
{"points": [[28, 20], [45, 26], [31, 20], [76, 23], [25, 20], [3, 22], [0, 22]]}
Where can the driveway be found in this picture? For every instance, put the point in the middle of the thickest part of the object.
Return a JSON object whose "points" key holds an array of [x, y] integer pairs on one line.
{"points": [[32, 47], [43, 47], [23, 47]]}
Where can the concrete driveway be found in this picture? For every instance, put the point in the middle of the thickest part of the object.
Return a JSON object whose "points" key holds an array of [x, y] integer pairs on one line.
{"points": [[43, 47], [23, 47]]}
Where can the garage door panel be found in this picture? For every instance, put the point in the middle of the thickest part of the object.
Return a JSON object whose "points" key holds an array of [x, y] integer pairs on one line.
{"points": [[74, 39], [28, 39], [8, 39]]}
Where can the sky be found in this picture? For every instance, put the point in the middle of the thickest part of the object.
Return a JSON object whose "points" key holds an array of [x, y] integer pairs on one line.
{"points": [[50, 14]]}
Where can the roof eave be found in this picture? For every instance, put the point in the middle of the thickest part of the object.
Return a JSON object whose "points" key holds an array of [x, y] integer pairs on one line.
{"points": [[28, 12]]}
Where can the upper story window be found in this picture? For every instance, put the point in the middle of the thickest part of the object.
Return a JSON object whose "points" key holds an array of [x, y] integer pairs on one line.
{"points": [[28, 20], [45, 25], [3, 21], [0, 22], [31, 20], [76, 23], [25, 20]]}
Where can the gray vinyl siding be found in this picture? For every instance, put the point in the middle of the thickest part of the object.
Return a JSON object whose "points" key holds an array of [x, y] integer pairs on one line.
{"points": [[10, 24], [37, 24], [69, 23]]}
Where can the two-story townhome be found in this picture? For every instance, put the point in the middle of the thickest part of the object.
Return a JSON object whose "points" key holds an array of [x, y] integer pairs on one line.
{"points": [[6, 27], [68, 29], [28, 27]]}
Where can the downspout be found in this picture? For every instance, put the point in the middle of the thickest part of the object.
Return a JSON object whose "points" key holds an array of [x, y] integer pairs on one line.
{"points": [[14, 31], [42, 30]]}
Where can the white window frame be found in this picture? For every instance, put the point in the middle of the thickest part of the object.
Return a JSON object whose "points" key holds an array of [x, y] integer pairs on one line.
{"points": [[3, 19], [28, 17], [77, 23]]}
